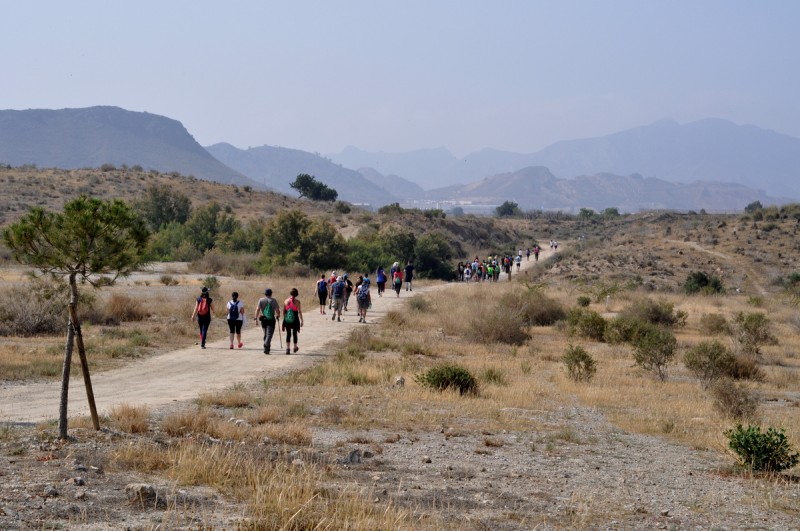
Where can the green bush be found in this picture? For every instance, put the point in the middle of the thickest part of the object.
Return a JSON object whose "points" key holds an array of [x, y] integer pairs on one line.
{"points": [[699, 282], [767, 451], [584, 301], [622, 330], [579, 364], [535, 308], [586, 323], [709, 360], [750, 332], [448, 377], [653, 349]]}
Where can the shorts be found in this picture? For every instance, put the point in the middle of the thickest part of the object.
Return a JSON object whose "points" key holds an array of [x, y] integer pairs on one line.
{"points": [[235, 325]]}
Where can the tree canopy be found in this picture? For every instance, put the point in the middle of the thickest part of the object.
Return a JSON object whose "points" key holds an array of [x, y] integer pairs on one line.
{"points": [[308, 186]]}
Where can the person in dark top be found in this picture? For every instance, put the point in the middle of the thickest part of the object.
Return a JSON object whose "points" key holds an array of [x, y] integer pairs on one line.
{"points": [[203, 309], [409, 275]]}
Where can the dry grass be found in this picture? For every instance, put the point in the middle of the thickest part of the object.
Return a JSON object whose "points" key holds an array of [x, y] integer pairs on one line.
{"points": [[130, 419]]}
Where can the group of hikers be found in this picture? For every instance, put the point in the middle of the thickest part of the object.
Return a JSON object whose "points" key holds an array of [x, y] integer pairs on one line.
{"points": [[334, 291], [490, 268]]}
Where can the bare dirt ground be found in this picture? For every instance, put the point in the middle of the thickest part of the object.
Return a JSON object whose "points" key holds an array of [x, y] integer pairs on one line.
{"points": [[571, 469]]}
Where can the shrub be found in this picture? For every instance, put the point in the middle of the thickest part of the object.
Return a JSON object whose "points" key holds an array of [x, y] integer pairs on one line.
{"points": [[732, 400], [709, 360], [750, 332], [448, 377], [767, 451], [699, 282], [39, 307], [745, 368], [122, 308], [536, 309], [586, 323], [168, 280], [621, 330], [653, 349], [579, 364], [492, 375], [714, 324], [655, 312], [499, 326], [584, 301]]}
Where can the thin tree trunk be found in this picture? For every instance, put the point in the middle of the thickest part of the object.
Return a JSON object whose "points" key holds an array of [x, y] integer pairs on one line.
{"points": [[76, 325], [62, 406]]}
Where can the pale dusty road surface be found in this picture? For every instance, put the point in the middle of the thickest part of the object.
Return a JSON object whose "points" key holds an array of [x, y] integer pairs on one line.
{"points": [[187, 373]]}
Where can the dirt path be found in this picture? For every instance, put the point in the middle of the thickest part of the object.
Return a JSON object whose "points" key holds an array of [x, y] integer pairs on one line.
{"points": [[186, 373]]}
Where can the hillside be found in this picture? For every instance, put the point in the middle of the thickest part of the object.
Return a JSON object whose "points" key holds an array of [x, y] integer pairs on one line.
{"points": [[276, 167], [537, 188], [91, 137]]}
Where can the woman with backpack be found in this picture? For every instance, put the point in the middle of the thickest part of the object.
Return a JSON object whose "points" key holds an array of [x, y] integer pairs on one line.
{"points": [[364, 300], [235, 309], [397, 281], [203, 309], [321, 287], [292, 319], [380, 278]]}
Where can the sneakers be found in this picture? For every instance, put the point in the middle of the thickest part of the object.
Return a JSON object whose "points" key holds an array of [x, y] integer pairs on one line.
{"points": [[333, 317], [202, 346], [231, 346], [360, 319], [296, 348], [266, 351], [241, 344], [287, 350], [338, 319]]}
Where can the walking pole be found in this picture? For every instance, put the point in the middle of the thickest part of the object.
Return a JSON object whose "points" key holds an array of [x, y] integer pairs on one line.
{"points": [[280, 338]]}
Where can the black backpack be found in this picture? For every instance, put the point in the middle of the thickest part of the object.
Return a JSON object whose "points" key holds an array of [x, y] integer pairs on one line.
{"points": [[233, 311]]}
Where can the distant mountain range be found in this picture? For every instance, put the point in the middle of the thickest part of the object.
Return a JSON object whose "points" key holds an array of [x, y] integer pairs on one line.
{"points": [[706, 150], [712, 164], [535, 187], [91, 137]]}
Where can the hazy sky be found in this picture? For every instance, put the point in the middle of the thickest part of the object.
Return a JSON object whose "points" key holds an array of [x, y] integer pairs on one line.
{"points": [[397, 76]]}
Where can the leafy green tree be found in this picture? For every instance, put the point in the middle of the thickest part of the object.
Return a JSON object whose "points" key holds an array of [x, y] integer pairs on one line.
{"points": [[164, 243], [586, 213], [322, 247], [507, 209], [161, 205], [308, 186], [611, 212], [398, 243], [433, 255], [210, 225], [89, 238], [282, 238], [753, 207]]}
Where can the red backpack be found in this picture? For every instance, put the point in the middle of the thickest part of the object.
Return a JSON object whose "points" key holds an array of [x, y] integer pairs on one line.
{"points": [[202, 306]]}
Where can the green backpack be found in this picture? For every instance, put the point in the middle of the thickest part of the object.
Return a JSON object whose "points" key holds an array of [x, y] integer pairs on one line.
{"points": [[268, 312], [289, 315]]}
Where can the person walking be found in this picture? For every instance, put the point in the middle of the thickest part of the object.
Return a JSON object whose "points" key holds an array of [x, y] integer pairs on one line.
{"points": [[409, 275], [364, 300], [380, 279], [536, 252], [235, 311], [337, 294], [518, 259], [528, 255], [292, 319], [321, 287], [348, 290], [203, 308], [267, 312], [397, 281]]}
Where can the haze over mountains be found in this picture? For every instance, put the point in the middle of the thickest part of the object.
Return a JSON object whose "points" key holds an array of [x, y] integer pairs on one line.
{"points": [[712, 164]]}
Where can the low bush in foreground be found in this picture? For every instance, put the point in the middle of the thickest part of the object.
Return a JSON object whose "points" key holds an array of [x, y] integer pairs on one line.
{"points": [[709, 360], [586, 323], [448, 377], [767, 451], [733, 400], [653, 349]]}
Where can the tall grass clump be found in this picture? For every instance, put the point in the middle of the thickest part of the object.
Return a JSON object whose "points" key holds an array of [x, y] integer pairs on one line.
{"points": [[497, 324], [734, 401], [750, 332], [655, 312], [130, 419]]}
